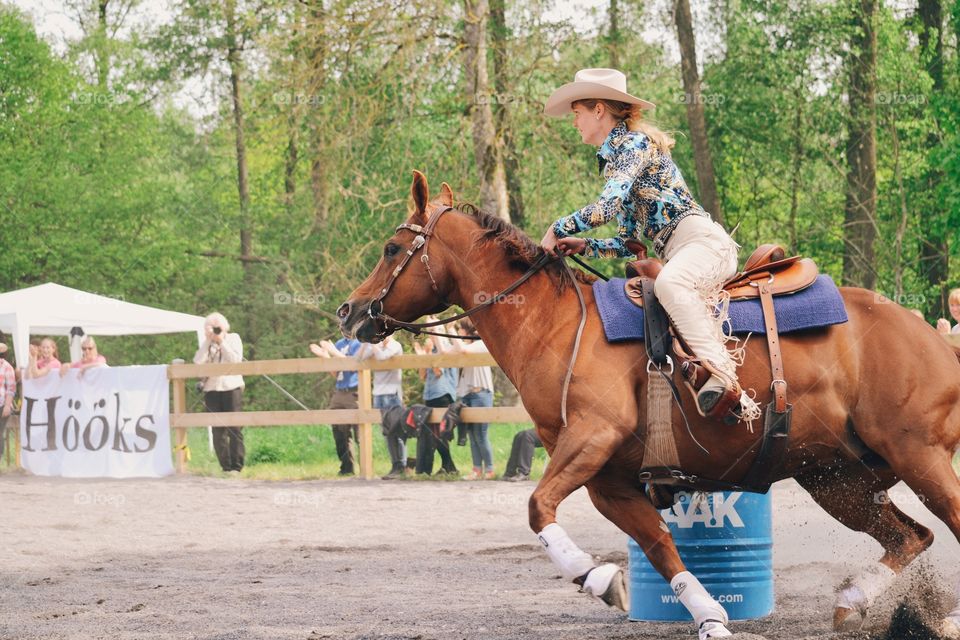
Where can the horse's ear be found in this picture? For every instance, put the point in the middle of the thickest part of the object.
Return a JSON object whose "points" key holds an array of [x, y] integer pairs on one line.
{"points": [[446, 195], [421, 194]]}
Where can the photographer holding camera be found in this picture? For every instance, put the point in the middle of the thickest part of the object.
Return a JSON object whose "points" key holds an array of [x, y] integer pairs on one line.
{"points": [[223, 393]]}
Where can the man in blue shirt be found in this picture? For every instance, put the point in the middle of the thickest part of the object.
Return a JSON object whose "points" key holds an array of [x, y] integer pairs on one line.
{"points": [[344, 397]]}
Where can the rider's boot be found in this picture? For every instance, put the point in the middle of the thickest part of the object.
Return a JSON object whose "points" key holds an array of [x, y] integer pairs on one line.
{"points": [[721, 395]]}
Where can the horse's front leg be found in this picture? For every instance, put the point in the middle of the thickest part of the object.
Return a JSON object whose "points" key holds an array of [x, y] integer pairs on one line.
{"points": [[621, 500], [580, 452]]}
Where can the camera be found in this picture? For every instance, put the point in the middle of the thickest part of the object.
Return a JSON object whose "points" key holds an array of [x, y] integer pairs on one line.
{"points": [[217, 330]]}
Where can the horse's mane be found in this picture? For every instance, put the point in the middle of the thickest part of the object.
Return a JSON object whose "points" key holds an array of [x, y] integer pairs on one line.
{"points": [[521, 250]]}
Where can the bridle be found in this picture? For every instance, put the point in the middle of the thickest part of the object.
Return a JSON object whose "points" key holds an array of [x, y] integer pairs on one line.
{"points": [[422, 241]]}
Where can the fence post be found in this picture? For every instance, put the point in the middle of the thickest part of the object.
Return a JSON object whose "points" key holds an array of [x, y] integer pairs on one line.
{"points": [[16, 437], [365, 401], [179, 408]]}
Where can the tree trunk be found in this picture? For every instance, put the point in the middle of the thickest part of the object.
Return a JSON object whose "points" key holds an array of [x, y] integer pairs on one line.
{"points": [[292, 152], [316, 75], [486, 150], [860, 229], [904, 212], [613, 39], [931, 39], [235, 63], [101, 61], [706, 178], [246, 250], [934, 246], [102, 52], [797, 166], [511, 165], [291, 157]]}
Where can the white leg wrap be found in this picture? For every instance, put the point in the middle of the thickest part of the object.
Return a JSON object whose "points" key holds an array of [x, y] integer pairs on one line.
{"points": [[568, 557], [599, 579], [863, 590], [954, 616], [950, 626], [698, 601]]}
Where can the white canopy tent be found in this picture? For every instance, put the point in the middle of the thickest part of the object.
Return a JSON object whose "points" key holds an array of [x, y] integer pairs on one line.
{"points": [[52, 309]]}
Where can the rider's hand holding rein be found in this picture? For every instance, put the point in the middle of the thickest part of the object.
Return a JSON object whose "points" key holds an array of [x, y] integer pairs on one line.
{"points": [[564, 246], [571, 246]]}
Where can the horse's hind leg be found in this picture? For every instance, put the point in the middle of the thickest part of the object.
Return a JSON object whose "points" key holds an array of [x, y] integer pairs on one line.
{"points": [[857, 497], [929, 472], [623, 502]]}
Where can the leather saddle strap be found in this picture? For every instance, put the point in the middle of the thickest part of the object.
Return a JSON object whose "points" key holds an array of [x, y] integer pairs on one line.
{"points": [[660, 446], [656, 330], [779, 384], [772, 447]]}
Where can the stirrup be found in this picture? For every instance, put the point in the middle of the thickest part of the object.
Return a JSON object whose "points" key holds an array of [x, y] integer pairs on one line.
{"points": [[727, 404]]}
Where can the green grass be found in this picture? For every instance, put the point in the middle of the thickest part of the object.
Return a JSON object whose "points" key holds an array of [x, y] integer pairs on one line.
{"points": [[303, 453]]}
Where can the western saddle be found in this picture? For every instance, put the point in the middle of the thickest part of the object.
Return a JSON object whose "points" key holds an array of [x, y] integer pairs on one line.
{"points": [[768, 272]]}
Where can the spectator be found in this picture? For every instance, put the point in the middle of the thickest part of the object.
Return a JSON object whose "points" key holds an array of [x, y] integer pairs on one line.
{"points": [[223, 393], [89, 358], [387, 392], [439, 390], [475, 389], [943, 325], [521, 456], [44, 360], [344, 397], [8, 391]]}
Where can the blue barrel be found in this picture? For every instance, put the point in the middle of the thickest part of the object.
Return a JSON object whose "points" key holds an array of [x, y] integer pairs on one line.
{"points": [[726, 541]]}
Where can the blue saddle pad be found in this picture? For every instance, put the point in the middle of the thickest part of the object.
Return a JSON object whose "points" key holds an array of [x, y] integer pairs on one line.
{"points": [[819, 305]]}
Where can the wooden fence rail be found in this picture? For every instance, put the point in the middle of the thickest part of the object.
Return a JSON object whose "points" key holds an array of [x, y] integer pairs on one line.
{"points": [[365, 416]]}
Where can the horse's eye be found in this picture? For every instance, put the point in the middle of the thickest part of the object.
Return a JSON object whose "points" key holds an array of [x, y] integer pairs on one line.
{"points": [[391, 250]]}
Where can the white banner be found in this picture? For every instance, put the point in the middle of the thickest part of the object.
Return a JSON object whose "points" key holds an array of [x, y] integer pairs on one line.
{"points": [[111, 422]]}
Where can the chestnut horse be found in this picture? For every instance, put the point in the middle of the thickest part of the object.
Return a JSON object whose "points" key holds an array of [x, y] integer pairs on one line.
{"points": [[876, 400]]}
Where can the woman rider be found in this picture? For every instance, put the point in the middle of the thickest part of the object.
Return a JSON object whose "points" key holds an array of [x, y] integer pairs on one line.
{"points": [[647, 195]]}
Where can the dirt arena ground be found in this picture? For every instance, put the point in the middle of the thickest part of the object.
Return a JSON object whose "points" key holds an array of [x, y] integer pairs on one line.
{"points": [[224, 559]]}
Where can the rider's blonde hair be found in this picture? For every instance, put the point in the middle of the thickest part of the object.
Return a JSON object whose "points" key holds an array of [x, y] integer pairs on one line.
{"points": [[632, 114]]}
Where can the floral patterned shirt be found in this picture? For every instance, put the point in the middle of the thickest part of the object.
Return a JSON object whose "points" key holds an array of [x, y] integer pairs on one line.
{"points": [[644, 191]]}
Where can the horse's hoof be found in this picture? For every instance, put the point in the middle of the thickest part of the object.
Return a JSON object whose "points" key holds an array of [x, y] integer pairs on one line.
{"points": [[845, 619], [662, 496], [714, 629], [606, 583], [949, 629]]}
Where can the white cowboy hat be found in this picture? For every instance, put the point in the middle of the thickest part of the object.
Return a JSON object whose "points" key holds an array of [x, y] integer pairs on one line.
{"points": [[608, 84]]}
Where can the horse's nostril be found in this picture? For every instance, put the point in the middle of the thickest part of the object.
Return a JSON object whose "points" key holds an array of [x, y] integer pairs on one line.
{"points": [[343, 311]]}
